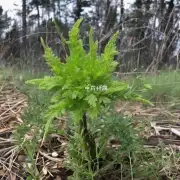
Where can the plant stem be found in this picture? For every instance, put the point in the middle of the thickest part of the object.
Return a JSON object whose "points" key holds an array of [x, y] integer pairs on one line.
{"points": [[89, 142]]}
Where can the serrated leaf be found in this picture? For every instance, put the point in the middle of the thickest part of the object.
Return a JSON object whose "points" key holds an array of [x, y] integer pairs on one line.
{"points": [[112, 90], [110, 48], [92, 99], [93, 46], [76, 94], [34, 81], [63, 41], [104, 100], [47, 126], [46, 83], [65, 86], [53, 61], [56, 109], [77, 115], [114, 64], [75, 44], [93, 112]]}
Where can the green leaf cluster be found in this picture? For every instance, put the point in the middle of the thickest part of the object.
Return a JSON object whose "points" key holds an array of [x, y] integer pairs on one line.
{"points": [[72, 81]]}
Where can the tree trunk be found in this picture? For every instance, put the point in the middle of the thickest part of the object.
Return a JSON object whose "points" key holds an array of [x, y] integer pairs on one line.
{"points": [[78, 10], [122, 9], [168, 31], [24, 23], [59, 9], [38, 14], [110, 20]]}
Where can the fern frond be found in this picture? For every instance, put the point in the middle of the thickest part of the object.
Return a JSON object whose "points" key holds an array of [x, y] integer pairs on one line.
{"points": [[109, 52], [110, 49], [53, 61], [75, 43], [48, 83], [63, 40], [93, 46]]}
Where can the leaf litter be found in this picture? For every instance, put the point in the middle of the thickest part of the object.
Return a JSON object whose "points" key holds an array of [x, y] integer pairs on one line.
{"points": [[12, 161], [160, 126]]}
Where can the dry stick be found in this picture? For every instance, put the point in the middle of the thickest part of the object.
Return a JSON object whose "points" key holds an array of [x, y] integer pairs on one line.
{"points": [[175, 131], [7, 140], [11, 160], [163, 43], [4, 161], [14, 149], [3, 164], [131, 167], [154, 33], [37, 157], [121, 171], [116, 27], [167, 47], [12, 107], [16, 112], [49, 157], [6, 149], [5, 118], [135, 49], [141, 40], [5, 130]]}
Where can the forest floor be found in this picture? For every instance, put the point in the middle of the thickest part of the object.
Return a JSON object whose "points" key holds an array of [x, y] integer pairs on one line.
{"points": [[160, 124]]}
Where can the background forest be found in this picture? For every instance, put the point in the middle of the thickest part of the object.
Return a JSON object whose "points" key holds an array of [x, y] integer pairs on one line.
{"points": [[149, 37]]}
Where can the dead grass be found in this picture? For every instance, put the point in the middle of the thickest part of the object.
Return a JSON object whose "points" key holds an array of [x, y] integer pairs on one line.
{"points": [[12, 103], [49, 157]]}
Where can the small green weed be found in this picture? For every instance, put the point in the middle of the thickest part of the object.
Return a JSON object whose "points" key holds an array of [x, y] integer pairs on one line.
{"points": [[29, 134]]}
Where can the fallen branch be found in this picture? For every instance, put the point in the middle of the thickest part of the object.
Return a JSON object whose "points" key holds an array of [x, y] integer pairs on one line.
{"points": [[175, 131], [49, 157]]}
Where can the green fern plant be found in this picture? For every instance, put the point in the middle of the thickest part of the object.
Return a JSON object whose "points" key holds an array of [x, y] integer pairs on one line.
{"points": [[83, 86]]}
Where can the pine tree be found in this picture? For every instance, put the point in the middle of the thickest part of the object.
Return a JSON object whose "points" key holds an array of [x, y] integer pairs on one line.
{"points": [[4, 21]]}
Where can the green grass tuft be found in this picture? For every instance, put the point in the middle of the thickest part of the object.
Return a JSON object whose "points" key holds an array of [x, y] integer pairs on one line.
{"points": [[165, 87]]}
